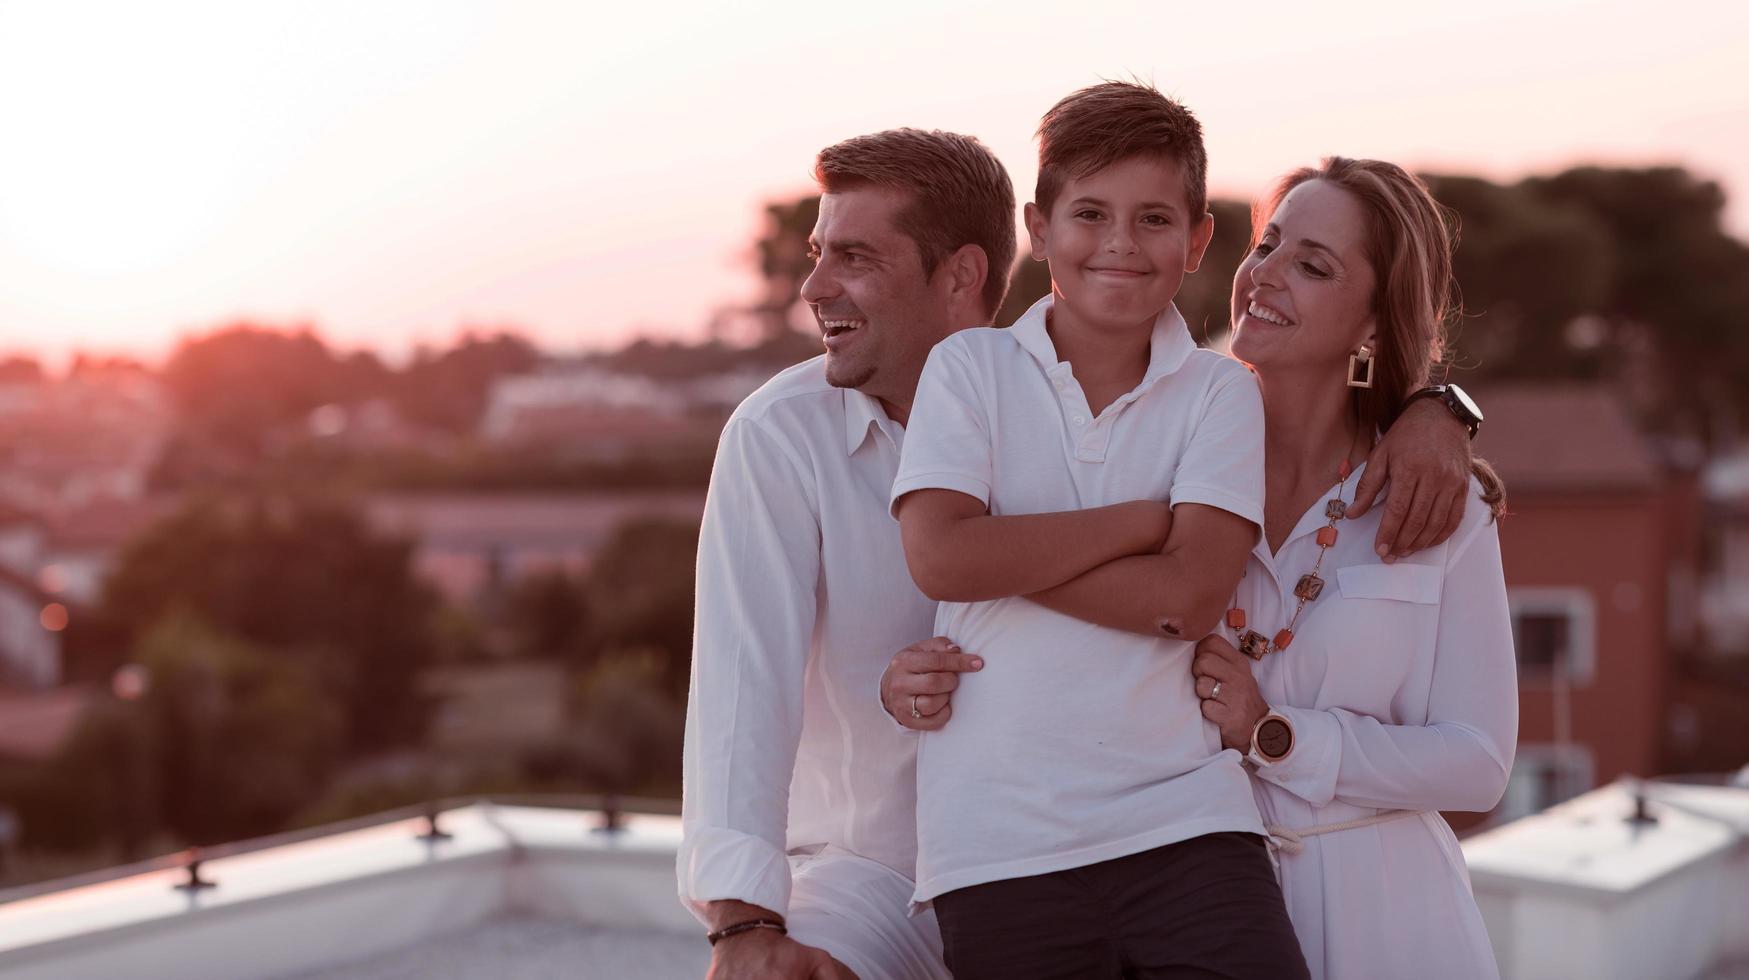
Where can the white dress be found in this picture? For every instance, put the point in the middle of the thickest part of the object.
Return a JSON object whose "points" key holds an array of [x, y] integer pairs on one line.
{"points": [[1402, 688]]}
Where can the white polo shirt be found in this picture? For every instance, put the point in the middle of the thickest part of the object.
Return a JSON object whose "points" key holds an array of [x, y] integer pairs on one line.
{"points": [[1076, 743]]}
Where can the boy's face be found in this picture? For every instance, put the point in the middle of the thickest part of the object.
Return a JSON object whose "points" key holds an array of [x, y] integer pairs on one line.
{"points": [[1119, 242], [878, 313]]}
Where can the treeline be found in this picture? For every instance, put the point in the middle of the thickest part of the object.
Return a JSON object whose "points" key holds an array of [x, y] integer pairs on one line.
{"points": [[256, 650], [250, 404]]}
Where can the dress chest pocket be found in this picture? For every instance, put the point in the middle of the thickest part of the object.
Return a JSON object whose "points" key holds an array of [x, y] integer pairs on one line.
{"points": [[1418, 584], [1386, 616], [1397, 605]]}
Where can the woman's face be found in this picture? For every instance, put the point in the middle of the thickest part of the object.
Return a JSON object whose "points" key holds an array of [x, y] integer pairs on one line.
{"points": [[1302, 299]]}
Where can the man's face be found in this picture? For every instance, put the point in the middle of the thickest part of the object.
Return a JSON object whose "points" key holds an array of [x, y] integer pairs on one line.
{"points": [[877, 311], [1119, 242]]}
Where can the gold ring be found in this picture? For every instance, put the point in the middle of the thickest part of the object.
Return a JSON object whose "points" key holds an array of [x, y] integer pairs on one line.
{"points": [[914, 712]]}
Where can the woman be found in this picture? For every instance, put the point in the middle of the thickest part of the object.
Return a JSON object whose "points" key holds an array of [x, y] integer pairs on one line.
{"points": [[1386, 692], [1379, 693]]}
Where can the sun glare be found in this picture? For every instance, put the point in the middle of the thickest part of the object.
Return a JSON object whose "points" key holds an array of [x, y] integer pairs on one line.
{"points": [[137, 132]]}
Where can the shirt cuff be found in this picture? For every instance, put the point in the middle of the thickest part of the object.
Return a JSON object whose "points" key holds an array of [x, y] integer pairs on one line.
{"points": [[1309, 771], [719, 864]]}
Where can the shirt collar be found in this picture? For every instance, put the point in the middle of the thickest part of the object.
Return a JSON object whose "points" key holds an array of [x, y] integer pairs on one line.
{"points": [[861, 413], [1314, 517], [1168, 348]]}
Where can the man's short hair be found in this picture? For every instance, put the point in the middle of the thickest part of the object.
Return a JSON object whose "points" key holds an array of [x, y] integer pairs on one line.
{"points": [[960, 194], [1104, 124]]}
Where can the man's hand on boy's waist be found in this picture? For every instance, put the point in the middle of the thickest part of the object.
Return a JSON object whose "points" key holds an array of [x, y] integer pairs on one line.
{"points": [[917, 687]]}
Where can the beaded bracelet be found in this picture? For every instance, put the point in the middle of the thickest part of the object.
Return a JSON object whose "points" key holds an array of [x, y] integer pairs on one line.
{"points": [[748, 926]]}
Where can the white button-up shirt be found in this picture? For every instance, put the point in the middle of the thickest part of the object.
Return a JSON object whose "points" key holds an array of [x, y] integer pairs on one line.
{"points": [[1402, 688], [803, 598], [1076, 743]]}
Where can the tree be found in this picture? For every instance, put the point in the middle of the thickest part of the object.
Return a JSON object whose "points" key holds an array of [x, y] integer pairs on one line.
{"points": [[1028, 281], [303, 578], [243, 738], [547, 615], [782, 249], [628, 731], [1680, 280], [237, 385], [449, 390], [640, 591], [100, 788], [1527, 270], [20, 370]]}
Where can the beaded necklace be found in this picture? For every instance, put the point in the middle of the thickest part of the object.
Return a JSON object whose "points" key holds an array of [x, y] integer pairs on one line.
{"points": [[1254, 644]]}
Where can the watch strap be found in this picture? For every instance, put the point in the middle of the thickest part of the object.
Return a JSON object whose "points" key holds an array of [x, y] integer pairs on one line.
{"points": [[1452, 405]]}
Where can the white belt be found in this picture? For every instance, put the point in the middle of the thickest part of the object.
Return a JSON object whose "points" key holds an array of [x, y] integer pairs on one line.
{"points": [[1292, 841]]}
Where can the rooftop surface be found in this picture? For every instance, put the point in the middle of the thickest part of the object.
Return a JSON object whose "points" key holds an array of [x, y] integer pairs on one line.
{"points": [[522, 947]]}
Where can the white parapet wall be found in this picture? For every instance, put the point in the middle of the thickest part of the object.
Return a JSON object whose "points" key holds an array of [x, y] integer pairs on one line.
{"points": [[337, 899], [1587, 889]]}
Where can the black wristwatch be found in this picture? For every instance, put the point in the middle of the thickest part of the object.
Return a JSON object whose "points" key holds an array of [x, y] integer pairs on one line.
{"points": [[1462, 406]]}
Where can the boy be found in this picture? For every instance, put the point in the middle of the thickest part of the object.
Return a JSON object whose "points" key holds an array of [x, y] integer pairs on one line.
{"points": [[1082, 490]]}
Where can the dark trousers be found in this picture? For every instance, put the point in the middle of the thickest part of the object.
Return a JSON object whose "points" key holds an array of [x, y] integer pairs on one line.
{"points": [[1208, 908]]}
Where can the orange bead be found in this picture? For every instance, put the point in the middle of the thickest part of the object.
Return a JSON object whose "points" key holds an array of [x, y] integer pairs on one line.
{"points": [[1284, 639], [1236, 618], [1326, 537]]}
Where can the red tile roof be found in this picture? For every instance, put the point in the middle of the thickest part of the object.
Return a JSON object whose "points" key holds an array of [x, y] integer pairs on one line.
{"points": [[1567, 437]]}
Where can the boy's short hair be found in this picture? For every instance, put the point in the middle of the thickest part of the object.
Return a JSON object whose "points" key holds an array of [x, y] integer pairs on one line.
{"points": [[961, 194], [1103, 124]]}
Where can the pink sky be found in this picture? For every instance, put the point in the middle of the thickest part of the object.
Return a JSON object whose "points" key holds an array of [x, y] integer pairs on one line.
{"points": [[392, 171]]}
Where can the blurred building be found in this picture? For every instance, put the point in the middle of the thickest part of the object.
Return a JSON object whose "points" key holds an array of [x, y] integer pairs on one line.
{"points": [[471, 546], [608, 413], [31, 618], [1725, 594], [1602, 556], [86, 438], [35, 725]]}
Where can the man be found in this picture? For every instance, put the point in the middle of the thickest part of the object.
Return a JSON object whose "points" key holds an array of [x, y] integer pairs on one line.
{"points": [[800, 796], [802, 590]]}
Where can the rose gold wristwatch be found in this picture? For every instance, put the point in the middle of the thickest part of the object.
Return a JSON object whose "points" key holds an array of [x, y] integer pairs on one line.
{"points": [[1272, 740]]}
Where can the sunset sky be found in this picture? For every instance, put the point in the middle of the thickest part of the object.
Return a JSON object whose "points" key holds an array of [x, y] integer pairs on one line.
{"points": [[392, 170]]}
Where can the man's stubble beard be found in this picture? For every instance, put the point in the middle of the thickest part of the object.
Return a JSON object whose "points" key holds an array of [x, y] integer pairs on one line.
{"points": [[856, 379]]}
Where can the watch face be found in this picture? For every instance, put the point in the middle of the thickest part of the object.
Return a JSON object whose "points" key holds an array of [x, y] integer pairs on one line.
{"points": [[1463, 400], [1274, 738]]}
